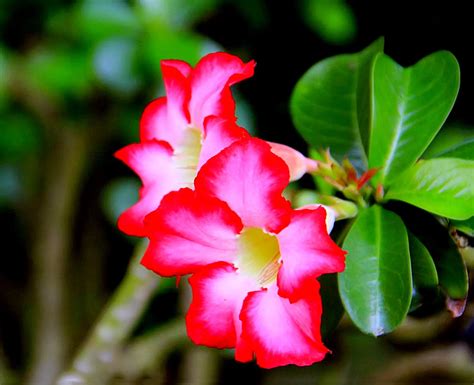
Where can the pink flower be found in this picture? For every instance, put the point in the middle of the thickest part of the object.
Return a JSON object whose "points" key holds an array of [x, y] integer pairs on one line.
{"points": [[181, 131], [254, 260]]}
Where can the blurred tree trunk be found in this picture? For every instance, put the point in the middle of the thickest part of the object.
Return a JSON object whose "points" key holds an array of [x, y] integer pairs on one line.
{"points": [[50, 248]]}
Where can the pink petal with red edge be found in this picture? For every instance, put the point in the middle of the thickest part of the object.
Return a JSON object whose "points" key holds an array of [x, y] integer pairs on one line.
{"points": [[209, 81], [183, 67], [178, 94], [219, 133], [307, 251], [189, 231], [282, 333], [154, 121], [250, 179], [153, 163], [296, 161], [218, 294], [168, 118]]}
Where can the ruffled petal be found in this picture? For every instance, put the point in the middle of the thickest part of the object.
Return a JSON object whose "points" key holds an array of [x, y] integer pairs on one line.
{"points": [[168, 118], [183, 67], [282, 333], [218, 294], [189, 231], [307, 251], [153, 163], [178, 94], [250, 179], [154, 121], [219, 133], [297, 163], [209, 85]]}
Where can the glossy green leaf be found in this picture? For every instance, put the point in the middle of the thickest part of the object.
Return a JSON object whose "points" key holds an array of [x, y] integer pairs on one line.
{"points": [[452, 274], [451, 268], [464, 150], [440, 186], [452, 142], [410, 106], [422, 265], [376, 285], [330, 105], [425, 277], [332, 305]]}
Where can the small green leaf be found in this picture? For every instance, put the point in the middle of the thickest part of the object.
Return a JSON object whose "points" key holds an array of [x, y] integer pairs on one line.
{"points": [[452, 274], [330, 105], [410, 106], [440, 186], [422, 265], [376, 285], [332, 305], [452, 270], [425, 277]]}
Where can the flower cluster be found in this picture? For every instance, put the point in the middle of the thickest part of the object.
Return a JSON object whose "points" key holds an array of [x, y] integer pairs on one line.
{"points": [[212, 206]]}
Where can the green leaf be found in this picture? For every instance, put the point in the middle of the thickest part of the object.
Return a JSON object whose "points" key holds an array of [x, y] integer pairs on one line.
{"points": [[466, 226], [376, 285], [425, 277], [332, 305], [410, 106], [330, 105], [440, 186], [422, 265], [464, 150], [452, 270], [452, 142], [452, 274]]}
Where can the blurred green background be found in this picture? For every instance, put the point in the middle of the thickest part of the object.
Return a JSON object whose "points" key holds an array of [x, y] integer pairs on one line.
{"points": [[74, 79]]}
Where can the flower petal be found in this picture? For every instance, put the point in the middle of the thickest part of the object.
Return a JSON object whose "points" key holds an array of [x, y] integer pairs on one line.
{"points": [[283, 333], [218, 294], [168, 118], [250, 179], [189, 231], [183, 67], [154, 121], [209, 85], [307, 251], [219, 133], [153, 163], [295, 160]]}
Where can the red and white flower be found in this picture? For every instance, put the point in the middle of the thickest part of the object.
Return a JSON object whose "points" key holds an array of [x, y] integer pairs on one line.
{"points": [[254, 260], [179, 132]]}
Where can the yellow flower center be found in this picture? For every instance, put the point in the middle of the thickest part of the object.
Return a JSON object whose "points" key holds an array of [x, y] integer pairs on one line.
{"points": [[187, 156], [259, 254]]}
